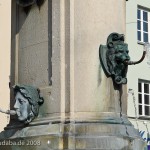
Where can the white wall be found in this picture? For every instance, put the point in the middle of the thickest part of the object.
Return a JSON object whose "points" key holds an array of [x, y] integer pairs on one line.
{"points": [[5, 32], [140, 71]]}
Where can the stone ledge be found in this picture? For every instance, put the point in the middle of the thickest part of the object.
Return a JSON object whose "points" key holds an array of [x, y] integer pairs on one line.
{"points": [[82, 136]]}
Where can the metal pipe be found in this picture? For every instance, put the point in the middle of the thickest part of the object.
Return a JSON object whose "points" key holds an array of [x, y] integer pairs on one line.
{"points": [[136, 62], [9, 112]]}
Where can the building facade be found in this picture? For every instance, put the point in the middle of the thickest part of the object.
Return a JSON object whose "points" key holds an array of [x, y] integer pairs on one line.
{"points": [[137, 35], [5, 38]]}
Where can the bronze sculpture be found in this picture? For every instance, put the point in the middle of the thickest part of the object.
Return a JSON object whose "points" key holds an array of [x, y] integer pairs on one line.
{"points": [[27, 102], [115, 59]]}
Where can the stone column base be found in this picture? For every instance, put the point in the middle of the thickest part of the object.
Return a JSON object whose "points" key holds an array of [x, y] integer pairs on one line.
{"points": [[73, 136]]}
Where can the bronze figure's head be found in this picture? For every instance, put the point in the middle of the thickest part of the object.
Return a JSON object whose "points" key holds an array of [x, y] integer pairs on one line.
{"points": [[27, 102]]}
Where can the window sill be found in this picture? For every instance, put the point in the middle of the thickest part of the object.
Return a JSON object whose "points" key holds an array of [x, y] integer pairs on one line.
{"points": [[144, 117], [141, 117], [141, 43]]}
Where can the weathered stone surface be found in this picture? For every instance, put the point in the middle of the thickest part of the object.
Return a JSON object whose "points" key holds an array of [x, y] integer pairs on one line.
{"points": [[83, 109], [33, 46], [79, 136], [34, 65]]}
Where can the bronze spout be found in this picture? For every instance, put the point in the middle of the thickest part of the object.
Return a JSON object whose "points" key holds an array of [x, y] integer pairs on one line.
{"points": [[9, 112], [136, 62]]}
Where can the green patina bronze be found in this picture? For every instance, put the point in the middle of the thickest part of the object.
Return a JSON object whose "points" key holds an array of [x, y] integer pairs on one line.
{"points": [[27, 102], [113, 56], [27, 3]]}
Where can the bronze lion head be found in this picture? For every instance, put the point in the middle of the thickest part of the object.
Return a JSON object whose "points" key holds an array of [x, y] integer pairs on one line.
{"points": [[113, 57]]}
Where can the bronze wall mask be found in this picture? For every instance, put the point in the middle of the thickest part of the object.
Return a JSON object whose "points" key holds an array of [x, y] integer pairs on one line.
{"points": [[113, 56]]}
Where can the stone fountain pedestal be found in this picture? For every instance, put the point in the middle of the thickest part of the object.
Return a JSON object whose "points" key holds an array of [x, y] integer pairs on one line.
{"points": [[56, 48]]}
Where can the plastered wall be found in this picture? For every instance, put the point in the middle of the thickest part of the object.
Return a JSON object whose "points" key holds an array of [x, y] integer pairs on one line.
{"points": [[5, 31]]}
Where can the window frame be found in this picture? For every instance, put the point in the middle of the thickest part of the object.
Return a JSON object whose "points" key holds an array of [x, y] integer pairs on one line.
{"points": [[142, 10], [143, 104]]}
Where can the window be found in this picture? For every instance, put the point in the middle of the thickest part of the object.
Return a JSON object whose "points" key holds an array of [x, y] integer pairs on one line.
{"points": [[144, 98], [143, 25]]}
